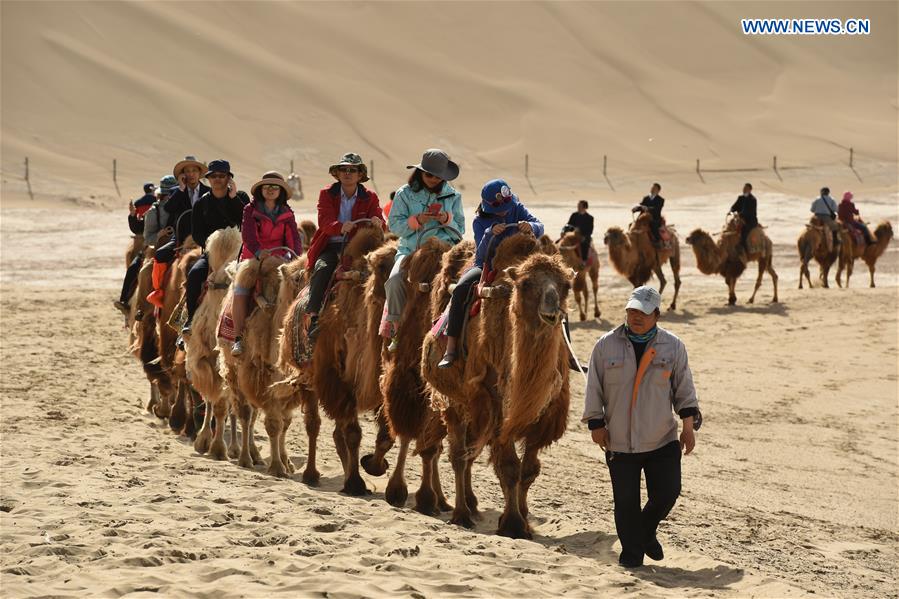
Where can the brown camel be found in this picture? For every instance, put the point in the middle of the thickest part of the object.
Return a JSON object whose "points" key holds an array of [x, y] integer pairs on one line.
{"points": [[346, 358], [406, 401], [306, 229], [728, 258], [570, 248], [201, 348], [812, 243], [171, 359], [141, 326], [512, 387], [850, 251], [250, 375], [635, 256]]}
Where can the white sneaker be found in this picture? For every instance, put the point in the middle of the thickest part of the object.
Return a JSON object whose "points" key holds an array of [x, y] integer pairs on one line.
{"points": [[237, 348]]}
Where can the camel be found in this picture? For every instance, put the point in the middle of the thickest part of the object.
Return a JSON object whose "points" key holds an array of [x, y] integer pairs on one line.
{"points": [[306, 229], [406, 401], [850, 251], [570, 248], [250, 375], [812, 243], [728, 258], [513, 385], [346, 358], [171, 359], [634, 255], [201, 348], [141, 326]]}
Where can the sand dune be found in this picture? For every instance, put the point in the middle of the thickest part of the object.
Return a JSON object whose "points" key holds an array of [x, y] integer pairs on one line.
{"points": [[654, 88]]}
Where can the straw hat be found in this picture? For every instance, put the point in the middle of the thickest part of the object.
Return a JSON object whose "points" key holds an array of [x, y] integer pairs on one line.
{"points": [[188, 161], [272, 178]]}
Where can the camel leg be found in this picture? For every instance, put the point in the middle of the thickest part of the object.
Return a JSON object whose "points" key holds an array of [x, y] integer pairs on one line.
{"points": [[244, 459], [426, 496], [675, 271], [838, 277], [530, 469], [340, 445], [375, 463], [803, 271], [459, 459], [758, 281], [731, 291], [232, 418], [190, 400], [254, 450], [508, 468], [313, 423], [218, 450], [594, 279], [274, 427], [164, 407], [849, 266], [397, 492], [773, 274], [285, 457], [178, 415], [661, 277], [204, 437], [581, 298], [353, 483], [871, 270], [154, 398], [442, 504]]}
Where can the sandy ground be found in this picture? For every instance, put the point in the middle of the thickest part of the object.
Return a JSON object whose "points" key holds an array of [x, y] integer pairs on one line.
{"points": [[792, 489]]}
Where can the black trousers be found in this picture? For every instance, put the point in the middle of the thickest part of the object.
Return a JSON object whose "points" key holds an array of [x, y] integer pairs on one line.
{"points": [[457, 301], [195, 279], [324, 268], [748, 226], [654, 226], [166, 252], [585, 249], [130, 282], [636, 526]]}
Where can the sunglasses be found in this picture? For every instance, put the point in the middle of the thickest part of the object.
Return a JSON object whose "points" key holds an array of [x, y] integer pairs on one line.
{"points": [[217, 176], [272, 187], [348, 169], [500, 200]]}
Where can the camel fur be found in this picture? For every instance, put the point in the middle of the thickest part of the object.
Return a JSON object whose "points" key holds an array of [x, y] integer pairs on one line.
{"points": [[406, 401], [201, 346], [569, 247], [513, 385], [869, 253], [728, 258], [812, 244], [634, 255]]}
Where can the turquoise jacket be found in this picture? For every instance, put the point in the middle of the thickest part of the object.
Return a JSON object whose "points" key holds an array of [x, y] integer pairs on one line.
{"points": [[408, 203]]}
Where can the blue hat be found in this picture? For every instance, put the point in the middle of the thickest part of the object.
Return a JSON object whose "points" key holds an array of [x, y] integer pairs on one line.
{"points": [[496, 197], [167, 185], [219, 166]]}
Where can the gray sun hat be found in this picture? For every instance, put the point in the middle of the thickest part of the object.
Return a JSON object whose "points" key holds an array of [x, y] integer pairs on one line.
{"points": [[168, 185], [644, 298], [350, 159], [436, 162]]}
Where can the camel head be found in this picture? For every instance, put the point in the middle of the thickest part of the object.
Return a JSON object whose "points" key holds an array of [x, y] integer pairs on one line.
{"points": [[306, 229], [697, 236], [615, 237], [708, 258], [540, 291], [514, 249], [883, 231], [547, 246]]}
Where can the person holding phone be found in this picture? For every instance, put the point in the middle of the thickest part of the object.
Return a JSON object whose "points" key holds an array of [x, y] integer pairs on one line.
{"points": [[419, 209], [219, 208]]}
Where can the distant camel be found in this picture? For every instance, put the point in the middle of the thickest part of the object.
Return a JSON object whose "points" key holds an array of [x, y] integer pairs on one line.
{"points": [[570, 248], [636, 257], [868, 252], [812, 243]]}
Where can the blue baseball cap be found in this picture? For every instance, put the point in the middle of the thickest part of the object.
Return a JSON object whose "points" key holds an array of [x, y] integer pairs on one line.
{"points": [[496, 197]]}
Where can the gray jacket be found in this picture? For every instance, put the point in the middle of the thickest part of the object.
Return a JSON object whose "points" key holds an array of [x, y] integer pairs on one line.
{"points": [[649, 423], [154, 221]]}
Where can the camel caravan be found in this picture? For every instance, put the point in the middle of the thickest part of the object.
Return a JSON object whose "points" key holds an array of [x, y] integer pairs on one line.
{"points": [[238, 313]]}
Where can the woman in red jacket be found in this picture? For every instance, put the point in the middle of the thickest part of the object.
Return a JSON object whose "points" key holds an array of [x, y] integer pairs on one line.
{"points": [[268, 223], [338, 205]]}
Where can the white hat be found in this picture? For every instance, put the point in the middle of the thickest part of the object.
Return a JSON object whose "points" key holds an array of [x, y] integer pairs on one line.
{"points": [[644, 298]]}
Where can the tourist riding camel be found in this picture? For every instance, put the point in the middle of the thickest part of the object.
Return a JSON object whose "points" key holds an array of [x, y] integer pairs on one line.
{"points": [[849, 216], [582, 221], [653, 204], [824, 209], [746, 208], [427, 197]]}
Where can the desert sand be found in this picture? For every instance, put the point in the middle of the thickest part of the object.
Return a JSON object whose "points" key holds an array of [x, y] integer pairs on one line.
{"points": [[792, 489]]}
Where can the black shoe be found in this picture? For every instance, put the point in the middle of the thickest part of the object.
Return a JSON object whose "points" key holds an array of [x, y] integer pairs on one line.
{"points": [[121, 307], [179, 342], [629, 561], [653, 550], [447, 361]]}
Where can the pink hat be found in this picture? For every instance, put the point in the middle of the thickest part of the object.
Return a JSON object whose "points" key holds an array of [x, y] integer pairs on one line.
{"points": [[847, 196]]}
